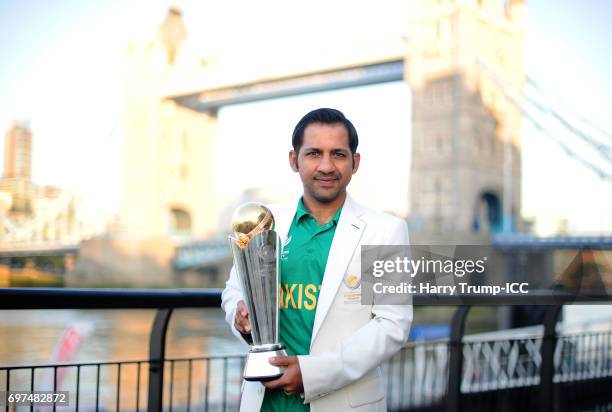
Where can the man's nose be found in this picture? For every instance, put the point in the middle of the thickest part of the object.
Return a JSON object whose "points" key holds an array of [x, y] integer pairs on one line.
{"points": [[326, 165]]}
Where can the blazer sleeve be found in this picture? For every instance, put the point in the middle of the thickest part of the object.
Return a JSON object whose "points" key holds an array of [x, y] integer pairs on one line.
{"points": [[230, 297], [373, 343]]}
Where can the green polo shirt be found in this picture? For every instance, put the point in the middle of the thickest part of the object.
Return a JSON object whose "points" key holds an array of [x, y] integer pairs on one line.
{"points": [[302, 267]]}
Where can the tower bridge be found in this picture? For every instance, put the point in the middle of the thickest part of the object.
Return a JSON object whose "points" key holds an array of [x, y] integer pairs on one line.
{"points": [[465, 168]]}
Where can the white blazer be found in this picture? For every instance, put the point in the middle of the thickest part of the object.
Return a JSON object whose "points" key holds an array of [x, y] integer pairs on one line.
{"points": [[349, 340]]}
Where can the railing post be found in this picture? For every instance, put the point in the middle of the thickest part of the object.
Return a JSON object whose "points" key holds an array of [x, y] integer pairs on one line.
{"points": [[157, 354], [547, 351], [455, 362]]}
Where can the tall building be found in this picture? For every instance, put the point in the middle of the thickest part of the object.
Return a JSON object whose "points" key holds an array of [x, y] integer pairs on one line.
{"points": [[17, 178], [30, 213], [466, 71], [18, 151]]}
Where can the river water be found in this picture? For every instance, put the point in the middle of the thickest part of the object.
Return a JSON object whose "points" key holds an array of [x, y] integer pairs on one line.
{"points": [[30, 337]]}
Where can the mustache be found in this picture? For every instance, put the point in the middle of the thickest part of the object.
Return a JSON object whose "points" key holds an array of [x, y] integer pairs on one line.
{"points": [[327, 176]]}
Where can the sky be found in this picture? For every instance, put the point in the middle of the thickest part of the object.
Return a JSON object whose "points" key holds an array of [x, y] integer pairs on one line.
{"points": [[62, 65]]}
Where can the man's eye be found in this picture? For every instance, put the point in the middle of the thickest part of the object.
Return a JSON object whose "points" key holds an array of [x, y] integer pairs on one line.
{"points": [[340, 154], [312, 154]]}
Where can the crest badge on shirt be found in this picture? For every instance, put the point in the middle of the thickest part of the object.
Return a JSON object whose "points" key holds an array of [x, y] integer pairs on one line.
{"points": [[285, 252], [352, 296]]}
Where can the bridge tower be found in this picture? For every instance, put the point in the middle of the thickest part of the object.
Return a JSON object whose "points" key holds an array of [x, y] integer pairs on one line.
{"points": [[464, 57], [168, 150]]}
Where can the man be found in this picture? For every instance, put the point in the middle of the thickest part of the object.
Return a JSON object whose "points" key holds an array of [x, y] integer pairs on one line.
{"points": [[335, 344]]}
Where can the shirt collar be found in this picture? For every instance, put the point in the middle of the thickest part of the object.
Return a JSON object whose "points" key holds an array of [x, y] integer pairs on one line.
{"points": [[302, 211]]}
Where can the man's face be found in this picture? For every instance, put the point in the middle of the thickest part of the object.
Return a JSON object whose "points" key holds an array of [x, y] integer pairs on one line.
{"points": [[324, 162]]}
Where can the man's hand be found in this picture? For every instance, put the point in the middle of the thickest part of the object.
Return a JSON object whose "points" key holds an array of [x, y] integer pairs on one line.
{"points": [[291, 381], [241, 320]]}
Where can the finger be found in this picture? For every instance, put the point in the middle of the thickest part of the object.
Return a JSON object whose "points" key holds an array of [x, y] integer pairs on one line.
{"points": [[291, 389], [243, 328], [242, 309], [275, 384], [282, 360], [240, 320], [242, 323], [268, 384], [246, 325], [240, 326]]}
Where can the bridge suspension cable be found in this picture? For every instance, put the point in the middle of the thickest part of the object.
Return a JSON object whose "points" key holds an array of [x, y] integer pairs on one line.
{"points": [[577, 115], [570, 152], [602, 148]]}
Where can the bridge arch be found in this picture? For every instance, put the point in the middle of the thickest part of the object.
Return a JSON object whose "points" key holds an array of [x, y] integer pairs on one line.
{"points": [[488, 213]]}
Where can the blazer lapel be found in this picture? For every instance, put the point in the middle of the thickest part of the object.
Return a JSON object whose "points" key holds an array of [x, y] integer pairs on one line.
{"points": [[347, 236]]}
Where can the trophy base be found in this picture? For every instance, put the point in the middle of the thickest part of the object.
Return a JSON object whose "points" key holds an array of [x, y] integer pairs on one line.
{"points": [[257, 368]]}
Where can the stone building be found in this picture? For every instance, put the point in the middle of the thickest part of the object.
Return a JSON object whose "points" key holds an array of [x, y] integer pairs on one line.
{"points": [[167, 184], [465, 67]]}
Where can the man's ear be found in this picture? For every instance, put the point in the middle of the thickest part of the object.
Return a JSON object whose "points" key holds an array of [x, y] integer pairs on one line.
{"points": [[356, 160], [293, 158]]}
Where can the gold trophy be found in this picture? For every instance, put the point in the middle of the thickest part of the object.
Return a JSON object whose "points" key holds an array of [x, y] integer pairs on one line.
{"points": [[256, 248]]}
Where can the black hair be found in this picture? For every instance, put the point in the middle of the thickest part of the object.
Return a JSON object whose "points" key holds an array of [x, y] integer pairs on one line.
{"points": [[325, 116]]}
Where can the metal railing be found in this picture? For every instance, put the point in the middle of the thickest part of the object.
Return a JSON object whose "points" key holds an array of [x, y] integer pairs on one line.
{"points": [[535, 371]]}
